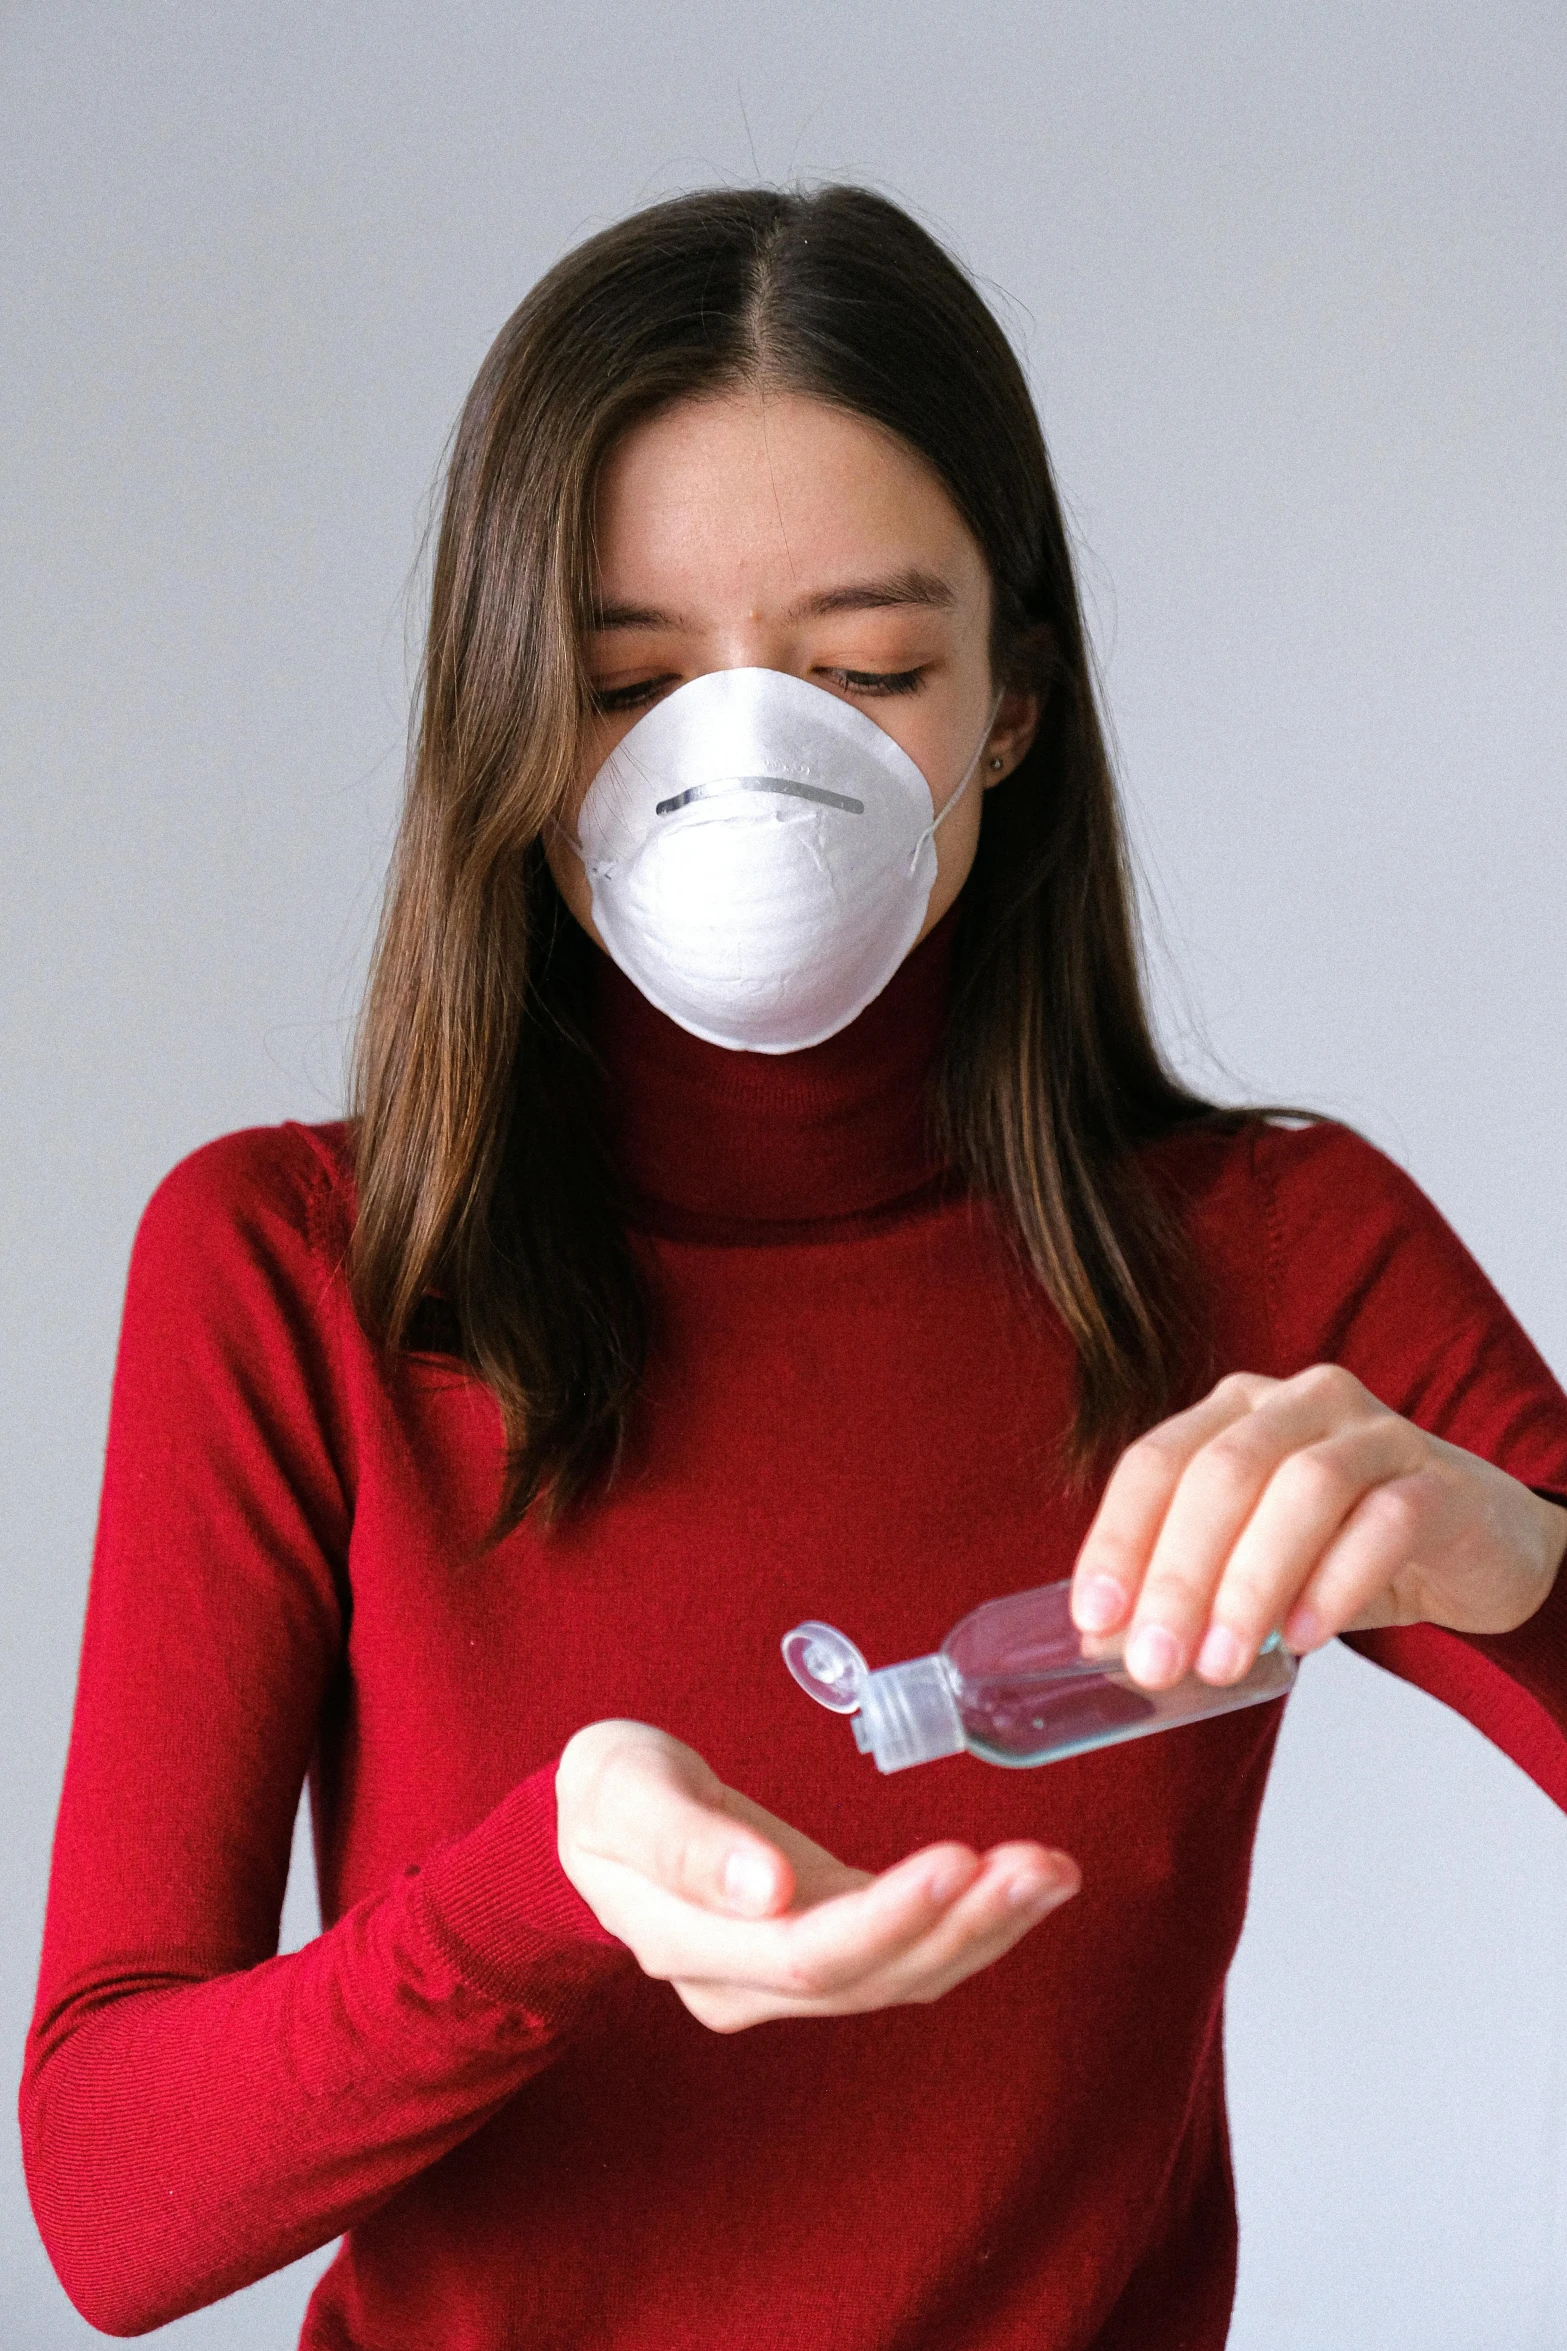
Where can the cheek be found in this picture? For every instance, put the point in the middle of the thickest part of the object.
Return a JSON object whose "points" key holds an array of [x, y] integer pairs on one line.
{"points": [[940, 741], [940, 728], [958, 838], [599, 737]]}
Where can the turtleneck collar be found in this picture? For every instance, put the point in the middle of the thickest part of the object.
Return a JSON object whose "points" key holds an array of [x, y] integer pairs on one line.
{"points": [[711, 1139]]}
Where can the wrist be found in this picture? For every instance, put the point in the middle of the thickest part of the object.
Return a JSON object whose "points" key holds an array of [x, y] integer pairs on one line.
{"points": [[501, 1905]]}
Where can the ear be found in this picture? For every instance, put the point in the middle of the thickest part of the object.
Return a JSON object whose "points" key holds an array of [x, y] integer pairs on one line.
{"points": [[1022, 705], [1016, 724]]}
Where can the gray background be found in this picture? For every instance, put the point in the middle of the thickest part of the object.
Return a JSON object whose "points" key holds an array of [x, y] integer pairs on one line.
{"points": [[1290, 286]]}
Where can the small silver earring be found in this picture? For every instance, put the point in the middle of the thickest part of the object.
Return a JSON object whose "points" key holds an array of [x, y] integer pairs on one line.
{"points": [[996, 766]]}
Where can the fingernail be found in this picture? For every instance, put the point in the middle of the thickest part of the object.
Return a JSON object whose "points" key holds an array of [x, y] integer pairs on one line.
{"points": [[748, 1880], [1304, 1631], [1219, 1658], [944, 1883], [1152, 1654], [1030, 1891], [1099, 1604]]}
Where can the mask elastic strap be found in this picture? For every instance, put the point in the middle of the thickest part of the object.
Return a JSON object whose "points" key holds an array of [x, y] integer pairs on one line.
{"points": [[592, 867], [966, 778]]}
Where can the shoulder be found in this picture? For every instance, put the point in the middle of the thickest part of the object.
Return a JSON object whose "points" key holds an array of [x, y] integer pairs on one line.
{"points": [[278, 1193], [232, 1387], [1360, 1267], [1342, 1216], [1295, 1178], [1307, 1156], [1303, 1162], [1316, 1247], [1312, 1239]]}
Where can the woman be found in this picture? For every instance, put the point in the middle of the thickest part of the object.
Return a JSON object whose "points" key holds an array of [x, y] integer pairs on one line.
{"points": [[836, 1244]]}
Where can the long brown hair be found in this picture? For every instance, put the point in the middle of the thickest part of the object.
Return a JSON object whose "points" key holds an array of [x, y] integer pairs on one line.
{"points": [[484, 1171]]}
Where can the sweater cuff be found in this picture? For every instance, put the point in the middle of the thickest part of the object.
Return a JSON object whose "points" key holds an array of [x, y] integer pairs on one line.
{"points": [[504, 1910]]}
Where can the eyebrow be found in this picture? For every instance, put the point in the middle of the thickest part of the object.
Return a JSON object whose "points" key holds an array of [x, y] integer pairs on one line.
{"points": [[900, 587], [911, 587]]}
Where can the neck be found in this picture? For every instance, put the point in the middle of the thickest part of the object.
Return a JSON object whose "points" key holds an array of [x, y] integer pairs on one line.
{"points": [[710, 1139]]}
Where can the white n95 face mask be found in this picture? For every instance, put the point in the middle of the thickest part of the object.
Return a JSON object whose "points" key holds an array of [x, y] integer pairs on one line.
{"points": [[761, 856]]}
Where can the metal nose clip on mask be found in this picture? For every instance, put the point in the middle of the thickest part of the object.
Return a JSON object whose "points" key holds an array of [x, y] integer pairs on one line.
{"points": [[761, 856]]}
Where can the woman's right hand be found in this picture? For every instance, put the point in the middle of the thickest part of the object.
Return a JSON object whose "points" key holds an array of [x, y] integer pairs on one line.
{"points": [[750, 1920]]}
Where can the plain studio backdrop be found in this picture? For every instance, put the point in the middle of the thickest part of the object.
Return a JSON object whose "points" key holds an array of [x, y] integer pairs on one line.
{"points": [[1289, 285]]}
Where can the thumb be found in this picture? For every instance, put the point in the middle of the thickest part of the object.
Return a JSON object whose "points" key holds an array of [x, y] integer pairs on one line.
{"points": [[659, 1809]]}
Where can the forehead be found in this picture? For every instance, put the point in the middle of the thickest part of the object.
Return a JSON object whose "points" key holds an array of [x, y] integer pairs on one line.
{"points": [[758, 492]]}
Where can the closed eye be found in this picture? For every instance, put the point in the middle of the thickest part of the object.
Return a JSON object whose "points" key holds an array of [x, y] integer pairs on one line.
{"points": [[632, 697], [643, 691], [877, 681]]}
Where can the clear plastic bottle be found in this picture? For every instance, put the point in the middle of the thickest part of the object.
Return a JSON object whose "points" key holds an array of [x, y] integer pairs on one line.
{"points": [[1014, 1682]]}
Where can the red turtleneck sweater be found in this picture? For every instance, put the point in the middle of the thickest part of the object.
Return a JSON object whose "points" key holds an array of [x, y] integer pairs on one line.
{"points": [[850, 1414]]}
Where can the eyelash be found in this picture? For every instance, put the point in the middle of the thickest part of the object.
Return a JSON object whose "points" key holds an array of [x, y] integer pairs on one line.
{"points": [[609, 699], [879, 681], [613, 699]]}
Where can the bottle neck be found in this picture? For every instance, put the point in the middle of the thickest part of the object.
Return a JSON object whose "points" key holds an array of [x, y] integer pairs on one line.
{"points": [[909, 1714]]}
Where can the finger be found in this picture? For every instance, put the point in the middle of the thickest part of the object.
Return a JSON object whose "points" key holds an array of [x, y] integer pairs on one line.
{"points": [[1355, 1578], [836, 1944], [1020, 1885], [1119, 1545], [660, 1810], [854, 1963], [842, 1935], [1219, 1489], [810, 1862], [1012, 1891], [1306, 1504]]}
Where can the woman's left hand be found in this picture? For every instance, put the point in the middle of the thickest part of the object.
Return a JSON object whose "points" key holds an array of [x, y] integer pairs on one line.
{"points": [[1303, 1506]]}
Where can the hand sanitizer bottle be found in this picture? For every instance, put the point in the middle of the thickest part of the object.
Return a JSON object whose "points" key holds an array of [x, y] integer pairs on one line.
{"points": [[1014, 1682]]}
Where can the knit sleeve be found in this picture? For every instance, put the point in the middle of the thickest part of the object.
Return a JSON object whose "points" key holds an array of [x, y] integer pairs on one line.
{"points": [[1363, 1271], [197, 2111]]}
